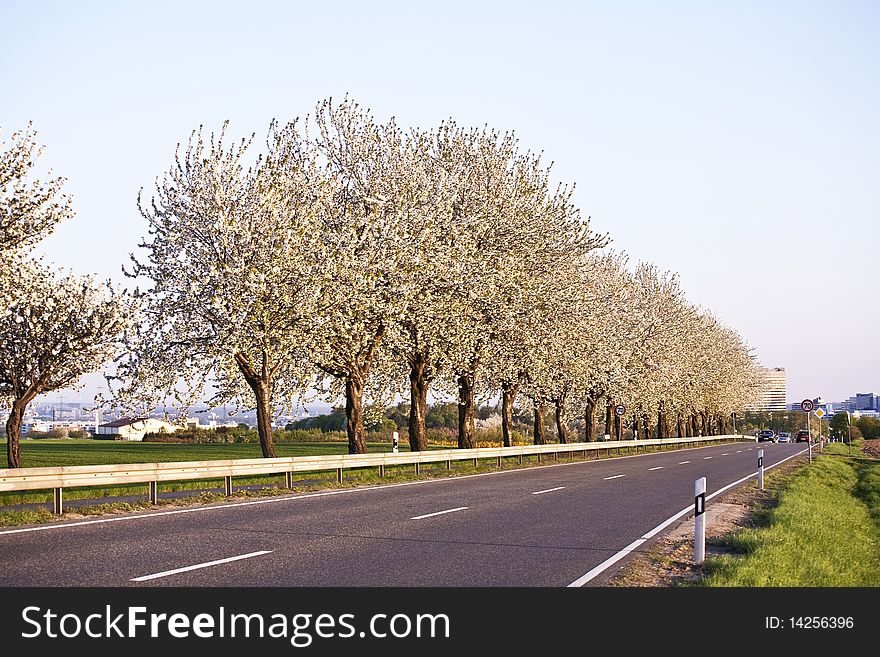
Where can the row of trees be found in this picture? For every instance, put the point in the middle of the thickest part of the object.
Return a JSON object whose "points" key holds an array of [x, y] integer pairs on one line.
{"points": [[356, 260]]}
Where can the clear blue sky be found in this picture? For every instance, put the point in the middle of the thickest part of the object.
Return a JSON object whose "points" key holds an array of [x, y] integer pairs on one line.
{"points": [[737, 143]]}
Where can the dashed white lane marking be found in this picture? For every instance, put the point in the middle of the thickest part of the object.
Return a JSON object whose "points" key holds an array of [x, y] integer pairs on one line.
{"points": [[738, 451], [614, 477], [706, 458], [659, 467], [549, 490], [726, 454], [610, 561], [439, 513], [207, 564], [683, 462]]}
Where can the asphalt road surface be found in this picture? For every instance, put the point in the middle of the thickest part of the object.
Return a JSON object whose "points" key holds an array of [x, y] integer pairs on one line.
{"points": [[557, 525]]}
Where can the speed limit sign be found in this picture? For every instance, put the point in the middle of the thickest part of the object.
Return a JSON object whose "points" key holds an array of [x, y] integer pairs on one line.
{"points": [[807, 405], [620, 410]]}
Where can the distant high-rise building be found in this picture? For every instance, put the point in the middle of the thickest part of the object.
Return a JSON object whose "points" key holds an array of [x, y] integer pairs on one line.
{"points": [[865, 401], [771, 394]]}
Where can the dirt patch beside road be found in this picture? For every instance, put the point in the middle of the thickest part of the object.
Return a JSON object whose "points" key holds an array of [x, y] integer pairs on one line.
{"points": [[872, 448]]}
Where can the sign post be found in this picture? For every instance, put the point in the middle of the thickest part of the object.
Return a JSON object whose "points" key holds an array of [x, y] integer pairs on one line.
{"points": [[820, 414], [700, 520], [761, 469], [619, 411], [806, 407]]}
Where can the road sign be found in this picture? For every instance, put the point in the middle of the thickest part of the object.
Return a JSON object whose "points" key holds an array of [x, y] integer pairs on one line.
{"points": [[619, 410], [819, 412], [807, 405]]}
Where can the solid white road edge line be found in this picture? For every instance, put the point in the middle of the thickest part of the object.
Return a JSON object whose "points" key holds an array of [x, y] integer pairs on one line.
{"points": [[207, 564], [288, 498], [614, 477], [610, 561], [659, 467], [439, 513], [549, 490]]}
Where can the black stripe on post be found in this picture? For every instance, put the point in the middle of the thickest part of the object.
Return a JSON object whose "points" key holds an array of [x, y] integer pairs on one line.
{"points": [[700, 504], [760, 461]]}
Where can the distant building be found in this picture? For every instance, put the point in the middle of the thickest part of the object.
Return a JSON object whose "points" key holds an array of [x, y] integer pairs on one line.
{"points": [[865, 401], [135, 428], [771, 390]]}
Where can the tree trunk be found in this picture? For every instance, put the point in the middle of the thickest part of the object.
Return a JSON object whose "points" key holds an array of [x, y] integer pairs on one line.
{"points": [[508, 396], [635, 428], [466, 428], [540, 433], [679, 425], [647, 428], [618, 427], [722, 425], [13, 434], [561, 425], [418, 405], [590, 421], [704, 421], [354, 415], [260, 385], [264, 420], [608, 416]]}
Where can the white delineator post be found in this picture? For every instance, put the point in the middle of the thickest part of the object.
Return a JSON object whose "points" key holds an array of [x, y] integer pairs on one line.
{"points": [[761, 469], [700, 520], [395, 442]]}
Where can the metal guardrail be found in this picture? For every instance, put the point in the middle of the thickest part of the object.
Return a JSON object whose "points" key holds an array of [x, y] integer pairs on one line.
{"points": [[59, 478]]}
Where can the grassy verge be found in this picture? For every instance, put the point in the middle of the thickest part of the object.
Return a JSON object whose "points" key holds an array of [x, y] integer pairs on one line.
{"points": [[824, 530]]}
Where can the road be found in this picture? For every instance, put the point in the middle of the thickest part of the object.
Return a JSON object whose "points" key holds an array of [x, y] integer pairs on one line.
{"points": [[543, 526]]}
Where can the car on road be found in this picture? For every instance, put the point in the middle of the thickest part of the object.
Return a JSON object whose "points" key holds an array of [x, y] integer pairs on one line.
{"points": [[783, 437], [803, 436], [766, 436]]}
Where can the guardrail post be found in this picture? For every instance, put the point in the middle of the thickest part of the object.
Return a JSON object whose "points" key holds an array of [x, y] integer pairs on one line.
{"points": [[58, 501], [539, 457], [228, 485], [475, 463], [338, 475], [700, 520], [288, 479], [154, 492], [555, 456], [520, 459], [418, 468], [381, 470], [499, 461], [449, 464], [761, 469]]}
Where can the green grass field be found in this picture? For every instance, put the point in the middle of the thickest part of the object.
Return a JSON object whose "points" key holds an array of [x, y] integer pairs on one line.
{"points": [[47, 453], [825, 530]]}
